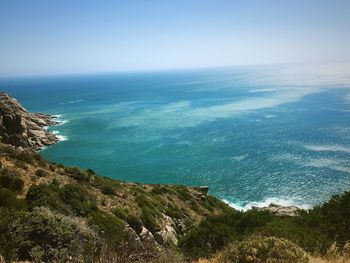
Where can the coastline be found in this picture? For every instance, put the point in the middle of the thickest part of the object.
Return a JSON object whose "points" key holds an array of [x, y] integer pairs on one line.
{"points": [[22, 129]]}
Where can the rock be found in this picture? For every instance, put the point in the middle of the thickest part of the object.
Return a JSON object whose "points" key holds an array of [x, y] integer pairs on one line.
{"points": [[203, 189], [133, 239], [23, 129], [146, 235], [280, 210], [180, 225], [167, 234]]}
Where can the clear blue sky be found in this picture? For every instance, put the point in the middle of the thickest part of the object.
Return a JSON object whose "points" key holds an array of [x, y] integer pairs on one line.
{"points": [[78, 36]]}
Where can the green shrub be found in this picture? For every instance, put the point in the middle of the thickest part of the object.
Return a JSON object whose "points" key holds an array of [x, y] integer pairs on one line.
{"points": [[25, 157], [70, 199], [11, 233], [210, 235], [41, 173], [332, 218], [120, 212], [78, 174], [169, 256], [46, 195], [107, 190], [90, 171], [160, 190], [109, 227], [78, 199], [151, 211], [10, 179], [135, 223], [9, 200], [51, 237], [263, 250], [183, 193], [310, 239], [107, 185], [17, 184]]}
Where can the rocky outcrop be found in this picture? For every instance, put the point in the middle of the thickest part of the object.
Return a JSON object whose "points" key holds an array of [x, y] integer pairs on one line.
{"points": [[167, 234], [281, 210], [23, 129]]}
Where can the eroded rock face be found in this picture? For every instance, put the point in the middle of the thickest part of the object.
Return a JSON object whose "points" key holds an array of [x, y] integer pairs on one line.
{"points": [[167, 234], [23, 129]]}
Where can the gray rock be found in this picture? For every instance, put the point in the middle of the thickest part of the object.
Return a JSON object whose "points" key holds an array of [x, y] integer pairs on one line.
{"points": [[23, 129]]}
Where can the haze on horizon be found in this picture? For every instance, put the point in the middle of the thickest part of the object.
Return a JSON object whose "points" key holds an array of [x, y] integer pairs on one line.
{"points": [[41, 37]]}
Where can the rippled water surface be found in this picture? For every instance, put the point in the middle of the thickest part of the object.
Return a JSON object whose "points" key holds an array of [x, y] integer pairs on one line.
{"points": [[254, 135]]}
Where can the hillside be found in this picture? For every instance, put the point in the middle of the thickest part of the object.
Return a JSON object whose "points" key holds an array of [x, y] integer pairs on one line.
{"points": [[53, 213]]}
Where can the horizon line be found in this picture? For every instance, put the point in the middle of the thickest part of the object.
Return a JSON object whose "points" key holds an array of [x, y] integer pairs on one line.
{"points": [[159, 70]]}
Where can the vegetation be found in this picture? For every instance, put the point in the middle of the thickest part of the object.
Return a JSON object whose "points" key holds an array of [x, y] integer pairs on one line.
{"points": [[10, 179], [314, 231], [262, 250], [53, 213]]}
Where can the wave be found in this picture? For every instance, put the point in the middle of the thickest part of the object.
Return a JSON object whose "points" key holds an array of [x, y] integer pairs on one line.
{"points": [[262, 90], [339, 165], [72, 101], [58, 118], [328, 148], [241, 206], [60, 137]]}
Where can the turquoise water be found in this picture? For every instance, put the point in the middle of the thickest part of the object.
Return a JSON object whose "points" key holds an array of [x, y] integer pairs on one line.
{"points": [[252, 134]]}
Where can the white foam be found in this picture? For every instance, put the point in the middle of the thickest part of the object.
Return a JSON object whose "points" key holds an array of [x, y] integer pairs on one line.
{"points": [[265, 203], [334, 164], [262, 90], [239, 157], [72, 101], [58, 118], [61, 122], [60, 137], [328, 148]]}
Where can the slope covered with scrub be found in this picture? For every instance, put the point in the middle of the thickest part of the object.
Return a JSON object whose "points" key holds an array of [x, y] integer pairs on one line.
{"points": [[118, 213]]}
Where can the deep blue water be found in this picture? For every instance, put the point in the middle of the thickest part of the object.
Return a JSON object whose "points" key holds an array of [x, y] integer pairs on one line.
{"points": [[252, 134]]}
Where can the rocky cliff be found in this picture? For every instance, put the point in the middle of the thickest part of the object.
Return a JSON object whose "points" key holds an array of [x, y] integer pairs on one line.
{"points": [[23, 129]]}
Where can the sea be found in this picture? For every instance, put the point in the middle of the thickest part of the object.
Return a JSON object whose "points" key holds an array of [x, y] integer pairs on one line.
{"points": [[254, 134]]}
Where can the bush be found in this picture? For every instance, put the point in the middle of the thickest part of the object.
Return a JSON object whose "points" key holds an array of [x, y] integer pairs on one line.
{"points": [[332, 218], [78, 199], [107, 185], [109, 227], [9, 200], [160, 190], [78, 174], [10, 179], [169, 256], [183, 193], [46, 195], [210, 235], [151, 211], [11, 233], [70, 199], [41, 173], [296, 231], [51, 237], [107, 190], [263, 250], [120, 212], [135, 223]]}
